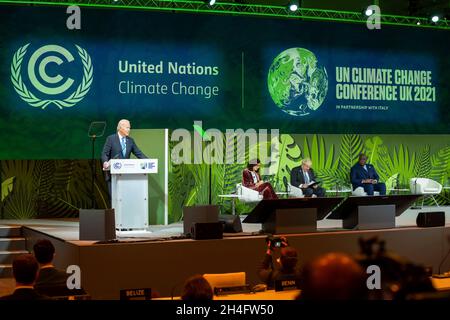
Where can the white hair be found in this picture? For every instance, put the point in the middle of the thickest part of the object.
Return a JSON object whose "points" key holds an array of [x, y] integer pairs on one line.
{"points": [[121, 123], [307, 161]]}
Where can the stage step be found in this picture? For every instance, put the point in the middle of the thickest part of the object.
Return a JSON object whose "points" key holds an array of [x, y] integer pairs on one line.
{"points": [[6, 271], [12, 244], [7, 244], [10, 231], [7, 257]]}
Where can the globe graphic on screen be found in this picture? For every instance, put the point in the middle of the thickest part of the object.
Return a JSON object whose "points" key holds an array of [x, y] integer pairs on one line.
{"points": [[297, 84]]}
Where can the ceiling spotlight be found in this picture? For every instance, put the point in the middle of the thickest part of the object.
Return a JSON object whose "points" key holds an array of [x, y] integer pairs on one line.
{"points": [[293, 6], [418, 23], [369, 12], [435, 18]]}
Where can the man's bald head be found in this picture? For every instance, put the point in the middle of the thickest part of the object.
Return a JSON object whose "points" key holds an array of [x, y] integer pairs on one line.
{"points": [[334, 276]]}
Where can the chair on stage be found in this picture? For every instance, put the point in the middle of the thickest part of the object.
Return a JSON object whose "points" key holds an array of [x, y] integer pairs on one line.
{"points": [[359, 192], [247, 195], [425, 187], [222, 280], [294, 192]]}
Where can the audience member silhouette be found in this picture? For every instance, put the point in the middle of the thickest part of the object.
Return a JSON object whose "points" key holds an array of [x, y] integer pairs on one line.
{"points": [[25, 271], [333, 276], [197, 288], [284, 268], [51, 281]]}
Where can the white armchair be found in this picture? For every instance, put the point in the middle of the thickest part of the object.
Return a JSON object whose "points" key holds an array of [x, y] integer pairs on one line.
{"points": [[359, 192], [294, 192], [426, 187], [247, 195]]}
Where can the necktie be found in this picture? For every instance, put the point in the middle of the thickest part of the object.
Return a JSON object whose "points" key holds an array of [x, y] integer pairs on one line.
{"points": [[124, 146], [306, 177]]}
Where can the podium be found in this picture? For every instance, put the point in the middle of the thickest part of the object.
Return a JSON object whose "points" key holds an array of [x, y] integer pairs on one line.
{"points": [[293, 215], [129, 191]]}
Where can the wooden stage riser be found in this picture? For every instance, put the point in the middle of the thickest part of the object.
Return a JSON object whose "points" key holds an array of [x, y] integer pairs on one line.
{"points": [[105, 269]]}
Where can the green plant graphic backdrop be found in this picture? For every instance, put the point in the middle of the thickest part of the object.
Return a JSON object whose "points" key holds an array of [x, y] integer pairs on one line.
{"points": [[49, 188], [397, 158], [57, 188]]}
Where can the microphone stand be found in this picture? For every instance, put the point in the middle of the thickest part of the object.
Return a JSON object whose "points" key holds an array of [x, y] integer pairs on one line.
{"points": [[96, 130], [93, 168], [415, 192], [210, 182]]}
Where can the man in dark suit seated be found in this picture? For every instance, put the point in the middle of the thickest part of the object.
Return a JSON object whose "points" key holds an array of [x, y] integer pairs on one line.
{"points": [[25, 271], [364, 175], [303, 177], [51, 281]]}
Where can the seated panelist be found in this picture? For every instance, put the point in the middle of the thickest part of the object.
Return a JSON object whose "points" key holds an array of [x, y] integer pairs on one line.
{"points": [[251, 179], [364, 175], [303, 177]]}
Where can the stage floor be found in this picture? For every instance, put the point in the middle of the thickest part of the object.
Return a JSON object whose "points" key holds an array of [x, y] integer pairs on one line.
{"points": [[68, 229]]}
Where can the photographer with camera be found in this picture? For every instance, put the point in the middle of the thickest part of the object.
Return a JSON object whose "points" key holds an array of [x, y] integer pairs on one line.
{"points": [[283, 268], [401, 278]]}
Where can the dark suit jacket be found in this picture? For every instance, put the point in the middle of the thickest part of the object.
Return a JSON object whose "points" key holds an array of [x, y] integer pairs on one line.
{"points": [[247, 179], [358, 173], [113, 149], [297, 177], [53, 282], [51, 277], [25, 294]]}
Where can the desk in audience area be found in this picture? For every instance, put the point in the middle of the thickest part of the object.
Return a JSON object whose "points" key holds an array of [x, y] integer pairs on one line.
{"points": [[265, 295], [439, 284]]}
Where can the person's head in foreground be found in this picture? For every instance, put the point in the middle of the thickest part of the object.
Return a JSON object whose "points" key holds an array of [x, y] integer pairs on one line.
{"points": [[197, 288], [44, 251], [25, 270], [333, 276]]}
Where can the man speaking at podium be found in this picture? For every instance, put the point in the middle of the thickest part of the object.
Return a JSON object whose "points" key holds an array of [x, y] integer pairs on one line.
{"points": [[120, 146], [364, 175]]}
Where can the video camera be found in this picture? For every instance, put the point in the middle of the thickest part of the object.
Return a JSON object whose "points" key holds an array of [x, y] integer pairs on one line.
{"points": [[276, 242], [400, 276]]}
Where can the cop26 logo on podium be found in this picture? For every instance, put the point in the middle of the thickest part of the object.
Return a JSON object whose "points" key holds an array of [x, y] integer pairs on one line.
{"points": [[44, 70]]}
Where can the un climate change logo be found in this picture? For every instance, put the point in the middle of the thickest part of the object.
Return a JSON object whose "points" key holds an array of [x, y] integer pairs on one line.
{"points": [[53, 90], [297, 84]]}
